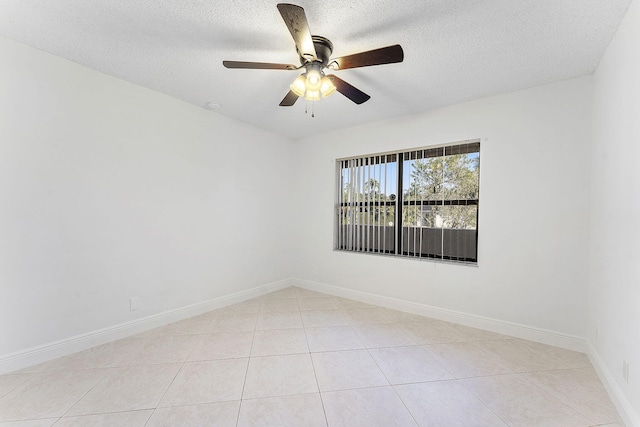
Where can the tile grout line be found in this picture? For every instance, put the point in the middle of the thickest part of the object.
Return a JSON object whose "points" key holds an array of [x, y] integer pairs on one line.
{"points": [[552, 396], [170, 384], [87, 392], [324, 411], [175, 376], [391, 385], [457, 380], [246, 372]]}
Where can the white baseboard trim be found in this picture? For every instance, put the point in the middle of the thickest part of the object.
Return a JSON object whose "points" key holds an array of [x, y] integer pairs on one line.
{"points": [[570, 342], [630, 417], [43, 353], [530, 333]]}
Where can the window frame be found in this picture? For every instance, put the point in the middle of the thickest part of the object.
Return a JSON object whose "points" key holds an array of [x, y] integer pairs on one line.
{"points": [[400, 203]]}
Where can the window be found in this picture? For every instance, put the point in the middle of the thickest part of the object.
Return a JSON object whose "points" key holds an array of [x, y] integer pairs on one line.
{"points": [[420, 203]]}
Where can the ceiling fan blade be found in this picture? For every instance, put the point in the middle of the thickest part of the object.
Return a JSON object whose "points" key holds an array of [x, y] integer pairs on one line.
{"points": [[289, 99], [384, 55], [296, 21], [351, 92], [258, 65]]}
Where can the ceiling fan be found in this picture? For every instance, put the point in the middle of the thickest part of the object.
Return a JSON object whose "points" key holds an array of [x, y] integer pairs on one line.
{"points": [[315, 52]]}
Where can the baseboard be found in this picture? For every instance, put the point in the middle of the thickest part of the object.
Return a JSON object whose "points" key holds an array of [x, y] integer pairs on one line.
{"points": [[530, 333], [630, 417], [570, 342], [43, 353]]}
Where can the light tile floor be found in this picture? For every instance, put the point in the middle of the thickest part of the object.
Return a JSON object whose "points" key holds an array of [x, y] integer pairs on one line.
{"points": [[300, 358]]}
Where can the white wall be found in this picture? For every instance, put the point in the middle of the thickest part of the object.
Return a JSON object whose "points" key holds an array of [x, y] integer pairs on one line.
{"points": [[110, 191], [534, 203], [614, 285]]}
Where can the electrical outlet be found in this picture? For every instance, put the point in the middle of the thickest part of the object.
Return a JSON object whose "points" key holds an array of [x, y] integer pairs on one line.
{"points": [[134, 304], [625, 371]]}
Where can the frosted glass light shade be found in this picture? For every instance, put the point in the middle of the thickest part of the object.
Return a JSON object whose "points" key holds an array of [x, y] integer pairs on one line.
{"points": [[327, 87], [314, 80], [298, 86]]}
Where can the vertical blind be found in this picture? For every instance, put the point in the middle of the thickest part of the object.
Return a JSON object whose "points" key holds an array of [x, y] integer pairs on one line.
{"points": [[418, 203]]}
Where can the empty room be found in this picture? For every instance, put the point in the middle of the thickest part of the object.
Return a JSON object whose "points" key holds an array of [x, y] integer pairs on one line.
{"points": [[366, 213]]}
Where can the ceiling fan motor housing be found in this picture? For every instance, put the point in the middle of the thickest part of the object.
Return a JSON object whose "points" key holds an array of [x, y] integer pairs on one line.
{"points": [[323, 47]]}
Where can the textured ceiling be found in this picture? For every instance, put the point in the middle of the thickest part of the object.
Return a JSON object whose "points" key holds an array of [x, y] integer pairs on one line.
{"points": [[455, 50]]}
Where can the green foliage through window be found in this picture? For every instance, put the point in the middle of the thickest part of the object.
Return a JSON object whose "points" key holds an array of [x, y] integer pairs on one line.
{"points": [[432, 193]]}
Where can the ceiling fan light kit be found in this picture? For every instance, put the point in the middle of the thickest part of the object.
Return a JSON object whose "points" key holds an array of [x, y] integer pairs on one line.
{"points": [[313, 83], [315, 53]]}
